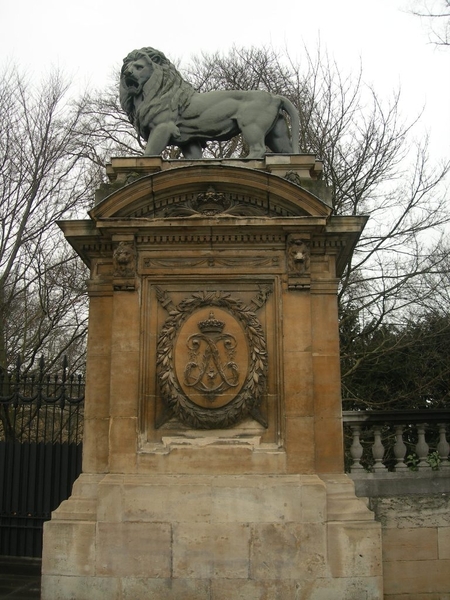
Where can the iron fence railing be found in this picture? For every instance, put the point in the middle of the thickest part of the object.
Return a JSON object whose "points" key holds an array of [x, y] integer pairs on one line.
{"points": [[39, 407], [41, 430]]}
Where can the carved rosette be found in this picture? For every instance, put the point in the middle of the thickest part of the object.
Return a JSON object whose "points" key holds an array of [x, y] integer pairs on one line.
{"points": [[211, 360]]}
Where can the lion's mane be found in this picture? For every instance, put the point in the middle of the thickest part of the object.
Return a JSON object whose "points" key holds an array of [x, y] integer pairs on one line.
{"points": [[165, 90]]}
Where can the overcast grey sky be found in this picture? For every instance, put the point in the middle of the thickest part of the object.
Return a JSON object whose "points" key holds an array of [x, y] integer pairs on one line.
{"points": [[88, 38]]}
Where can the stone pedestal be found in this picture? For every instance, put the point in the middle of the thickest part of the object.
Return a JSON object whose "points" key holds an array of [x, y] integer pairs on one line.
{"points": [[213, 454]]}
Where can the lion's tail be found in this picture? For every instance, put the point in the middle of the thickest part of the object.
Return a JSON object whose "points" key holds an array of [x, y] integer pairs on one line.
{"points": [[290, 109]]}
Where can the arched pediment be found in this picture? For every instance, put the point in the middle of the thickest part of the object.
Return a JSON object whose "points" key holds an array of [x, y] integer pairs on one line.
{"points": [[210, 189]]}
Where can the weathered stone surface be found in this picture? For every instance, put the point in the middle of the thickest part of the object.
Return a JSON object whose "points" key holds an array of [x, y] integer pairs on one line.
{"points": [[298, 375], [426, 483], [444, 542], [126, 323], [97, 387], [417, 596], [228, 459], [110, 500], [342, 504], [345, 588], [420, 543], [420, 576], [60, 587], [328, 445], [200, 537], [69, 548], [291, 589], [123, 445], [412, 511], [327, 383], [134, 588], [96, 445], [133, 549], [299, 441], [257, 500], [170, 502], [211, 550], [297, 312], [296, 550], [314, 500], [353, 549], [124, 385], [244, 589], [415, 545], [220, 499]]}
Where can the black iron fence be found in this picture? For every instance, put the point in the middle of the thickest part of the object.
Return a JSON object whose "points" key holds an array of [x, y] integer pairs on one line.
{"points": [[41, 429]]}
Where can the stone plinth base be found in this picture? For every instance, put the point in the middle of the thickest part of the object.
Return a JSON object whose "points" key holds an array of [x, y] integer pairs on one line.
{"points": [[212, 537]]}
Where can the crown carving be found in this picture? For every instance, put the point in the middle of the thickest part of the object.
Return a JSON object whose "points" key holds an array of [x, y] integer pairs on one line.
{"points": [[211, 325], [211, 202]]}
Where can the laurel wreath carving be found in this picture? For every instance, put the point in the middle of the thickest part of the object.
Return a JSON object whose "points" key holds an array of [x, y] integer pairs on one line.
{"points": [[249, 398]]}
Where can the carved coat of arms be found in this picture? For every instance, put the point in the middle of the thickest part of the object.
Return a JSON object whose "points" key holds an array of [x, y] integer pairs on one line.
{"points": [[212, 360]]}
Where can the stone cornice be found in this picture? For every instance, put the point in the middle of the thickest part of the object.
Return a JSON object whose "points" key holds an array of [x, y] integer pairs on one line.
{"points": [[276, 190]]}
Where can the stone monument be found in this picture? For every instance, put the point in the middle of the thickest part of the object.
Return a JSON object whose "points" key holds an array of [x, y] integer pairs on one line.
{"points": [[213, 454]]}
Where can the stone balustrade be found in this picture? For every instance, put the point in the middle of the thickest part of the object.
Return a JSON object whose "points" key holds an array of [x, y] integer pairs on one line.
{"points": [[378, 442], [399, 463]]}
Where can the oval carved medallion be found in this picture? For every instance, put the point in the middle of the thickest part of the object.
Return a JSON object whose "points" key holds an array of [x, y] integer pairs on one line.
{"points": [[211, 361]]}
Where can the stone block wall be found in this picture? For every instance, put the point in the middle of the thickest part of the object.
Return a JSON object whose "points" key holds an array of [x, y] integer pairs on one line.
{"points": [[205, 537], [415, 545]]}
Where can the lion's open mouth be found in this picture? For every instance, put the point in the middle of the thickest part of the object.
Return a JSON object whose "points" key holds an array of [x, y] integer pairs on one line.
{"points": [[131, 82]]}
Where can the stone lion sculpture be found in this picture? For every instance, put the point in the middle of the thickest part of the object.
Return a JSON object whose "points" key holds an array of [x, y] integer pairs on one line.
{"points": [[166, 110]]}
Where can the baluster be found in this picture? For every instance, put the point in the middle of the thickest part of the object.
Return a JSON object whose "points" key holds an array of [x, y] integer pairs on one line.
{"points": [[422, 448], [443, 446], [356, 450], [400, 449], [378, 449]]}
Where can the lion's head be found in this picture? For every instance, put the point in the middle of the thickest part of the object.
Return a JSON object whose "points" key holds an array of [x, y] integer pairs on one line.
{"points": [[150, 84], [124, 258]]}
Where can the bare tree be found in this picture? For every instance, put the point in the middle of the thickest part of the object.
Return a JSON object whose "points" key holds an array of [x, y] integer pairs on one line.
{"points": [[373, 165], [44, 176], [105, 126], [437, 15]]}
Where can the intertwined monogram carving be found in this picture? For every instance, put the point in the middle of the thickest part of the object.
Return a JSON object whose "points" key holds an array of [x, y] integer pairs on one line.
{"points": [[206, 371]]}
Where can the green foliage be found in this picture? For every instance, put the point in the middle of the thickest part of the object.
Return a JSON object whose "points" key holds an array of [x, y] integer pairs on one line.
{"points": [[396, 367], [412, 460], [433, 459]]}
